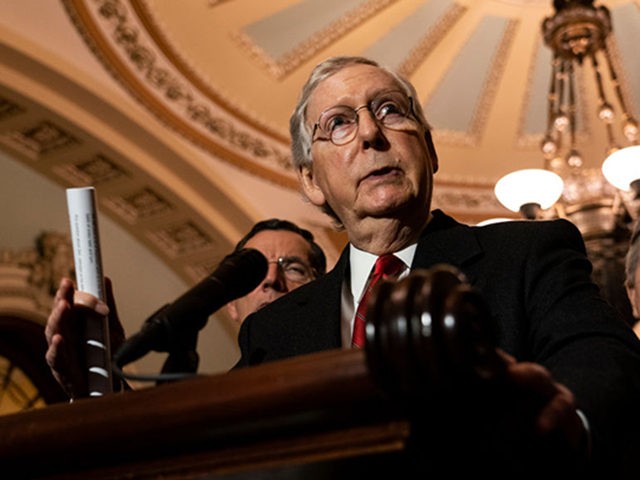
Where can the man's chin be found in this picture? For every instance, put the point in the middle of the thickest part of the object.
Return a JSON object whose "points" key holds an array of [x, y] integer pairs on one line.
{"points": [[386, 210], [384, 203], [395, 206]]}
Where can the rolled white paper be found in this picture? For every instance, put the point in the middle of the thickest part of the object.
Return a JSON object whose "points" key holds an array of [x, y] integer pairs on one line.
{"points": [[83, 219], [85, 238]]}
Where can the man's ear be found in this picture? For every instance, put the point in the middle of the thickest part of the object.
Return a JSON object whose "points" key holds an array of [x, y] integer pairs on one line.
{"points": [[433, 155], [232, 310], [309, 186]]}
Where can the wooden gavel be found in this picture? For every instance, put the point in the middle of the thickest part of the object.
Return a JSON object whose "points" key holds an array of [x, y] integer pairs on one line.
{"points": [[430, 332]]}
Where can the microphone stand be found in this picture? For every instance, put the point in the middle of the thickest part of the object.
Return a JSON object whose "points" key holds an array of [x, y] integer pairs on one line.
{"points": [[182, 360]]}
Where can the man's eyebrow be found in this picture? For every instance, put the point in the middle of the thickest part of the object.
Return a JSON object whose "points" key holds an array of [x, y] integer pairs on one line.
{"points": [[293, 257]]}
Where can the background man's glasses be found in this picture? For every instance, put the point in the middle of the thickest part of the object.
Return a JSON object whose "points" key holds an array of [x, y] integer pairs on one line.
{"points": [[295, 269], [339, 124]]}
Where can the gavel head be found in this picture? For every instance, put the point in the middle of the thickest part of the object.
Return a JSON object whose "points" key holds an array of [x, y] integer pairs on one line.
{"points": [[430, 333]]}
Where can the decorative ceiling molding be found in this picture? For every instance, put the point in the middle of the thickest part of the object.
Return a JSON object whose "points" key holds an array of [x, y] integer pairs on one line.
{"points": [[469, 203], [30, 276], [125, 36], [409, 42], [149, 210], [341, 16], [460, 112], [421, 51], [119, 37], [178, 58]]}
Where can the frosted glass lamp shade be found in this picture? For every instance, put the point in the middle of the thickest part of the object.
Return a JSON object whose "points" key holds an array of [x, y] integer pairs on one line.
{"points": [[532, 186], [622, 167]]}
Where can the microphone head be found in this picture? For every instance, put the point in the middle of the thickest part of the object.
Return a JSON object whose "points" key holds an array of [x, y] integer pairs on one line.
{"points": [[241, 271]]}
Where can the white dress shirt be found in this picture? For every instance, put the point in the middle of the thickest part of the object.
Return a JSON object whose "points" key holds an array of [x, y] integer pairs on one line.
{"points": [[353, 286]]}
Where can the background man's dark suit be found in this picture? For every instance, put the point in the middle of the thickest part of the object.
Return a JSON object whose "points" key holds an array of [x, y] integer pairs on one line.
{"points": [[536, 281]]}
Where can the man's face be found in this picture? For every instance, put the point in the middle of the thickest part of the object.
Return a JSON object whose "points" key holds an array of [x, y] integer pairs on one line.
{"points": [[273, 244], [381, 172]]}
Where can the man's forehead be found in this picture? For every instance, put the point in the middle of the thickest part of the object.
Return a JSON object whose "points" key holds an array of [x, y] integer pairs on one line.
{"points": [[279, 242], [354, 80]]}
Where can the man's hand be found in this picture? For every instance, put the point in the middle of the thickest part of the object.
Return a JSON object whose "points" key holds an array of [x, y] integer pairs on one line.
{"points": [[550, 406], [63, 332]]}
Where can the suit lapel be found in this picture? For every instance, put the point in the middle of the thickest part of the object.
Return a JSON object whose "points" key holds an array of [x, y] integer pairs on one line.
{"points": [[321, 304], [446, 241]]}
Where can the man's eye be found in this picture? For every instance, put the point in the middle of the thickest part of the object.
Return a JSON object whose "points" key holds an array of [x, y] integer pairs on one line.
{"points": [[296, 268], [388, 108], [336, 121]]}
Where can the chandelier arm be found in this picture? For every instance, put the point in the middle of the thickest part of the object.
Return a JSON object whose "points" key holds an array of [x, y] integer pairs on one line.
{"points": [[629, 123], [561, 119], [552, 99], [596, 70], [549, 145], [562, 80], [606, 111], [572, 107], [616, 84]]}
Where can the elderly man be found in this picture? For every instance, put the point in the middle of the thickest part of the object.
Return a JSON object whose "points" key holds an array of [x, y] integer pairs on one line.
{"points": [[364, 154], [294, 259]]}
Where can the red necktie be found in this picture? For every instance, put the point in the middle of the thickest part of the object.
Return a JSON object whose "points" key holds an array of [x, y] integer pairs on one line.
{"points": [[386, 266]]}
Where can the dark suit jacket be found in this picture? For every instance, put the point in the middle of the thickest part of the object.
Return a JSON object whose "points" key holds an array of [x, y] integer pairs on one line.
{"points": [[535, 277]]}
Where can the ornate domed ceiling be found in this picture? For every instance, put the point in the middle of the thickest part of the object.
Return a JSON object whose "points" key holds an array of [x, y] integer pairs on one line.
{"points": [[226, 73], [223, 77]]}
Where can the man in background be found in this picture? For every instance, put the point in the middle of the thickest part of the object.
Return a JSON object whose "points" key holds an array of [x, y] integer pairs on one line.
{"points": [[294, 259]]}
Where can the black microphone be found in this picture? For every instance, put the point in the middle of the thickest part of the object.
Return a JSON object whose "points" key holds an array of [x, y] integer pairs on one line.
{"points": [[166, 330]]}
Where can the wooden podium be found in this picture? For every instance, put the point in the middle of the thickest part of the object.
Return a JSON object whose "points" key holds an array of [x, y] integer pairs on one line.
{"points": [[317, 416], [407, 402]]}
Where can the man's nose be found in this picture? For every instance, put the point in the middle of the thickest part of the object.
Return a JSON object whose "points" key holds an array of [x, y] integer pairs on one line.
{"points": [[370, 130], [275, 278]]}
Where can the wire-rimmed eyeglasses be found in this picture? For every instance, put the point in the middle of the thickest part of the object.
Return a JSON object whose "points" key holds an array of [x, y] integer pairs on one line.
{"points": [[295, 269], [339, 124]]}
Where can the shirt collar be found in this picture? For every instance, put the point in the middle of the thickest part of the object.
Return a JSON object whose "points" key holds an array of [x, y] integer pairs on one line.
{"points": [[361, 263]]}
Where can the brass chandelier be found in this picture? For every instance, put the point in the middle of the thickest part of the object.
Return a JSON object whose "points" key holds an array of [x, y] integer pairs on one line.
{"points": [[579, 32]]}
